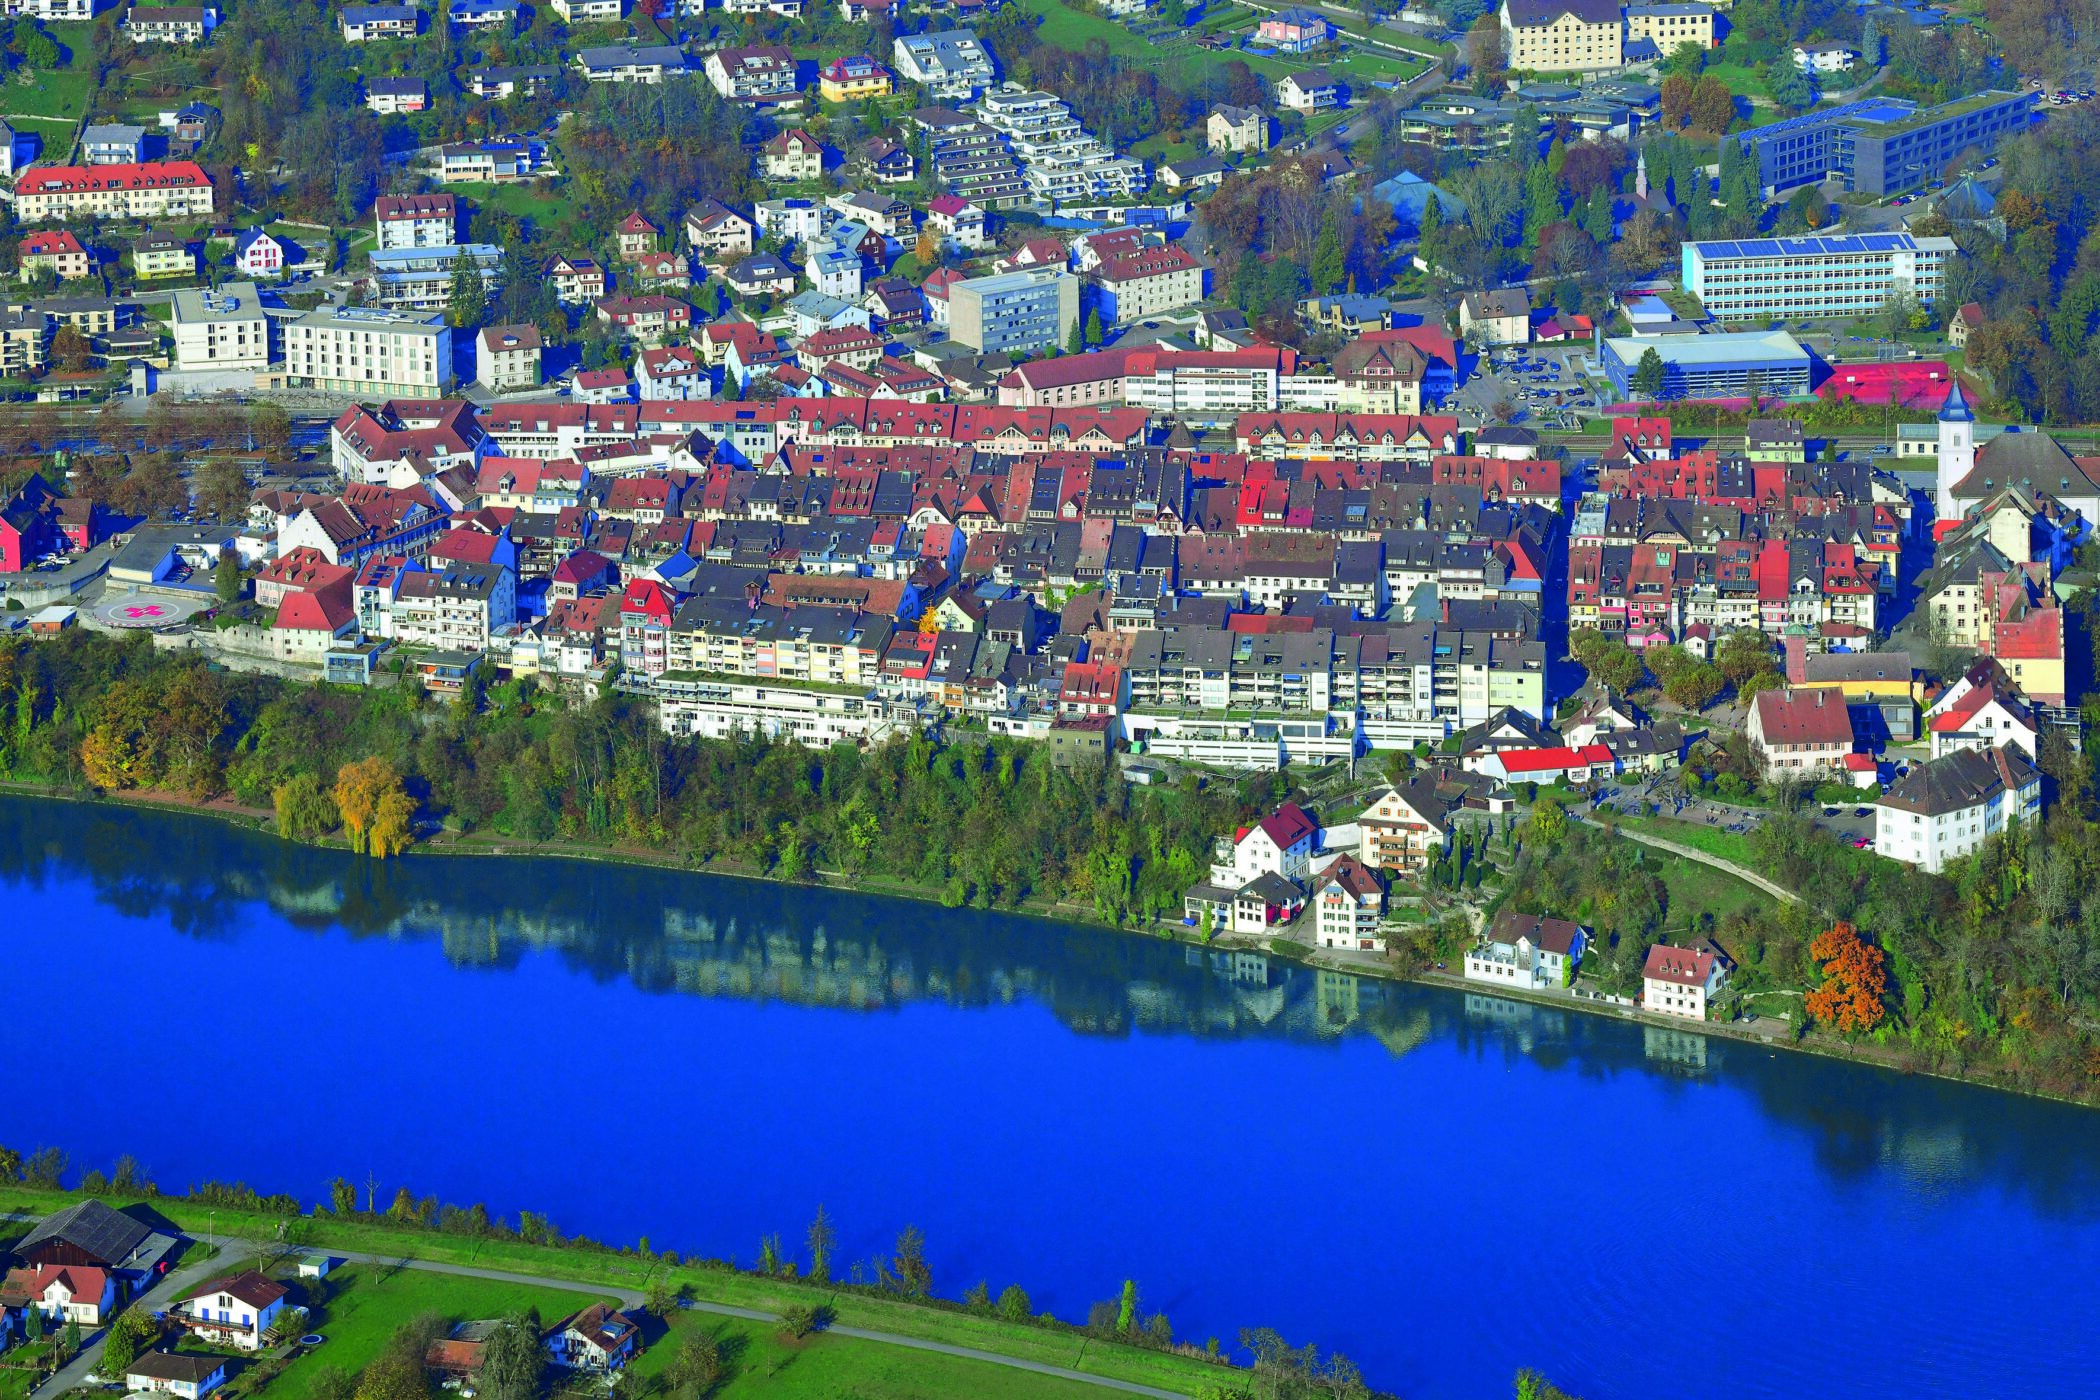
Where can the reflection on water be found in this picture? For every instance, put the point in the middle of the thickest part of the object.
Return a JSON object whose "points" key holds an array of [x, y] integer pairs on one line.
{"points": [[679, 933]]}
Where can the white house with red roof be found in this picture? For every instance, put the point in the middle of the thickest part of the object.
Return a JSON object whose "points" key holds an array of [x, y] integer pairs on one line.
{"points": [[1579, 766], [1801, 733], [1981, 710], [311, 620], [603, 386], [235, 1311], [63, 1292], [1279, 844], [1348, 903], [1681, 981], [297, 570], [1527, 951], [672, 372], [60, 251], [468, 545], [584, 571], [959, 223], [935, 289]]}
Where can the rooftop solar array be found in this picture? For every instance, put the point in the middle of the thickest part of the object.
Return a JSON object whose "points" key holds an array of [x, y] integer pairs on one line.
{"points": [[1806, 247]]}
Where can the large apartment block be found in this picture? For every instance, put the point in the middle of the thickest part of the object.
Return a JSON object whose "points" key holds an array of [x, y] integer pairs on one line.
{"points": [[155, 190], [1563, 36], [1882, 145], [1059, 160], [362, 350], [1812, 278], [1028, 310]]}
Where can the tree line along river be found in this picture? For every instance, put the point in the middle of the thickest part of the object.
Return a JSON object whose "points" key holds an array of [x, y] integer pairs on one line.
{"points": [[1444, 1186]]}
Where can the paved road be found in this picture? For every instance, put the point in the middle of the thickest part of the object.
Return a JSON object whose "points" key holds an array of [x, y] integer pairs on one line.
{"points": [[171, 1289]]}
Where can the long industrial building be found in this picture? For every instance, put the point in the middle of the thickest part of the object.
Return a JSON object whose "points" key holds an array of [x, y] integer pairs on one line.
{"points": [[1812, 278], [1729, 365], [1882, 145]]}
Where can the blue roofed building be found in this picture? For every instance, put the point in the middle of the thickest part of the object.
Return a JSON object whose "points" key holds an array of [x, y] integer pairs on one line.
{"points": [[1409, 194], [1882, 145]]}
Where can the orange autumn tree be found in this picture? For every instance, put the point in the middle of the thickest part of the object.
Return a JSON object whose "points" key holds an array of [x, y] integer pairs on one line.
{"points": [[1854, 978]]}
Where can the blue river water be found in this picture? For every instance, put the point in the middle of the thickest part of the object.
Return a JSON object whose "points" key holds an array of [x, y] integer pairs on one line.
{"points": [[1444, 1187]]}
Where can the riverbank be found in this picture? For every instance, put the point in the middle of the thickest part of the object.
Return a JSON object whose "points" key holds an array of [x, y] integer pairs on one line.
{"points": [[1894, 1059], [1051, 1351]]}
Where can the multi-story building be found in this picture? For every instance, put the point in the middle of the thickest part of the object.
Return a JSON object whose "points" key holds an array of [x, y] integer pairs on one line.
{"points": [[1148, 282], [364, 350], [1845, 275], [1680, 981], [58, 251], [1881, 145], [792, 155], [590, 11], [420, 279], [391, 96], [1348, 903], [498, 82], [951, 64], [162, 255], [1295, 30], [1524, 950], [169, 189], [754, 73], [508, 357], [628, 63], [170, 24], [1059, 160], [222, 328], [1802, 734], [113, 144], [851, 78], [361, 24], [415, 220], [1237, 130], [970, 159], [1026, 310], [1563, 36], [455, 610], [1946, 809], [25, 336], [485, 162], [1669, 27]]}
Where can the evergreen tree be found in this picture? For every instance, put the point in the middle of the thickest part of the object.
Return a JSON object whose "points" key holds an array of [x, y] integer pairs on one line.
{"points": [[1596, 215], [1525, 123], [1327, 263], [1541, 204], [1647, 379], [1090, 332], [1433, 243], [470, 295]]}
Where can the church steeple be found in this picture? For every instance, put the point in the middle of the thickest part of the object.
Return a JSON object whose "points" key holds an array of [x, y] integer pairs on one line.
{"points": [[1957, 451], [1956, 408]]}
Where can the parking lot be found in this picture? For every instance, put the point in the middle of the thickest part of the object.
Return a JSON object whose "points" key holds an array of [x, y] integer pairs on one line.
{"points": [[1851, 822], [1547, 385]]}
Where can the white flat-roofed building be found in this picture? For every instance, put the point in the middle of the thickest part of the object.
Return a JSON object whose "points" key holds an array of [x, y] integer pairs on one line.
{"points": [[222, 328], [1838, 275], [363, 350], [953, 63]]}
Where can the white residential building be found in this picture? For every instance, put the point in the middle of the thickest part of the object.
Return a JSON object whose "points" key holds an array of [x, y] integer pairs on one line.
{"points": [[361, 350], [1528, 952], [507, 358], [951, 64], [220, 329], [1681, 981], [1348, 903], [1948, 808], [235, 1311]]}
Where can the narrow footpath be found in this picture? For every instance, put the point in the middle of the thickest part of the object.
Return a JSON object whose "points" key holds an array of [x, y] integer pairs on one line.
{"points": [[1742, 873], [171, 1289]]}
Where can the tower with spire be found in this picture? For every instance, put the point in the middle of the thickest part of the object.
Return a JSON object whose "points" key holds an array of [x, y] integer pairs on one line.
{"points": [[1957, 450], [1640, 178]]}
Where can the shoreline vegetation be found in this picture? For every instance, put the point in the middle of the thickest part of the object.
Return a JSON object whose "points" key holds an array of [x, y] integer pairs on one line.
{"points": [[803, 1284], [1988, 973]]}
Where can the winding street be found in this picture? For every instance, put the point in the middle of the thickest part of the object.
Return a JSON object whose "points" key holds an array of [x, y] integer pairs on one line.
{"points": [[171, 1288]]}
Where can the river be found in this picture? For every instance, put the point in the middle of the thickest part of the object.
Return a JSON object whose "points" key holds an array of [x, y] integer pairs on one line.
{"points": [[1445, 1187]]}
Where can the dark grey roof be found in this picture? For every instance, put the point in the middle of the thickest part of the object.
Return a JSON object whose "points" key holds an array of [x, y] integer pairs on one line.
{"points": [[91, 1227], [1526, 13], [1964, 778]]}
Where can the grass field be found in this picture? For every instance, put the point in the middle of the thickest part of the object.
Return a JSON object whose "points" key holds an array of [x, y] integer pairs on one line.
{"points": [[1698, 836], [62, 95], [913, 1373], [368, 1303], [760, 1362]]}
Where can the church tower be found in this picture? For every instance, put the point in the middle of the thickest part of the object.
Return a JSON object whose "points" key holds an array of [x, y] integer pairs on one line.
{"points": [[1957, 450]]}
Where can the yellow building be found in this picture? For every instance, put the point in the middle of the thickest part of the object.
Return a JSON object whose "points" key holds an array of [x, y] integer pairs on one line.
{"points": [[851, 79], [1671, 26], [1563, 36]]}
